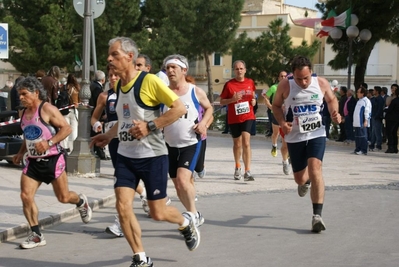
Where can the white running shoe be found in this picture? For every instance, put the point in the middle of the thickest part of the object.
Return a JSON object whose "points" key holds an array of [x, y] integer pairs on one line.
{"points": [[317, 224], [286, 168], [85, 210], [33, 240], [237, 174], [303, 189], [199, 219], [115, 229]]}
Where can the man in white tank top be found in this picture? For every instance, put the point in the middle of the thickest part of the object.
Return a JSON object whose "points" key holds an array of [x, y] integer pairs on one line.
{"points": [[304, 131], [184, 135]]}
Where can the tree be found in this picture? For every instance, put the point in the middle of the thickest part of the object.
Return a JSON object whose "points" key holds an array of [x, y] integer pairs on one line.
{"points": [[380, 17], [271, 52], [195, 28], [43, 33]]}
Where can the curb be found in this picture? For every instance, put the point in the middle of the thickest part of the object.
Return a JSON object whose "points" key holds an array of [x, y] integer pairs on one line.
{"points": [[52, 220]]}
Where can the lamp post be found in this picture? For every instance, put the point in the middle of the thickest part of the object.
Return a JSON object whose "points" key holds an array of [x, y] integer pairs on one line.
{"points": [[353, 36]]}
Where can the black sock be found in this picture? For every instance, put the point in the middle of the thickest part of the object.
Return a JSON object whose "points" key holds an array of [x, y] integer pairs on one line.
{"points": [[36, 229], [317, 208], [81, 201], [308, 182]]}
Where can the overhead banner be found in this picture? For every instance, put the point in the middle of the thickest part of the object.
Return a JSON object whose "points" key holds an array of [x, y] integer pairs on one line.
{"points": [[4, 40]]}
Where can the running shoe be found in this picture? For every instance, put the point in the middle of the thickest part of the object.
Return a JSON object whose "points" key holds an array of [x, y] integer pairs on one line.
{"points": [[144, 204], [360, 153], [201, 174], [33, 240], [317, 224], [85, 210], [274, 151], [303, 189], [237, 174], [199, 219], [115, 229], [190, 232], [248, 176], [137, 262], [286, 168]]}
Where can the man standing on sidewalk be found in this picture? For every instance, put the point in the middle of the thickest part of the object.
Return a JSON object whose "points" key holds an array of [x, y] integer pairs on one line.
{"points": [[44, 128], [142, 153], [239, 95], [304, 131]]}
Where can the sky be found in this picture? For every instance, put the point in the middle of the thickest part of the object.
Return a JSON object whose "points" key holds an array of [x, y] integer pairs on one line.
{"points": [[302, 3]]}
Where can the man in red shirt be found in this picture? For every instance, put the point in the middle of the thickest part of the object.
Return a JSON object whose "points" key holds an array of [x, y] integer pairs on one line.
{"points": [[239, 95]]}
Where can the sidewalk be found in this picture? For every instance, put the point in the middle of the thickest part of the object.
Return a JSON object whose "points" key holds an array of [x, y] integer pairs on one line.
{"points": [[340, 168]]}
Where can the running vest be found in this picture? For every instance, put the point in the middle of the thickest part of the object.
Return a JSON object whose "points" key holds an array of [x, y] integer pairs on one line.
{"points": [[303, 108], [110, 110], [130, 107], [36, 130], [181, 133]]}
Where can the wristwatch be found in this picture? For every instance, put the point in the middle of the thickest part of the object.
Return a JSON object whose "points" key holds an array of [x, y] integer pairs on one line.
{"points": [[151, 126], [50, 143]]}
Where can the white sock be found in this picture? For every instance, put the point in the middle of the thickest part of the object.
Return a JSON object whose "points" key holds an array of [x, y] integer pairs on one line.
{"points": [[275, 145], [185, 223], [142, 255], [286, 161]]}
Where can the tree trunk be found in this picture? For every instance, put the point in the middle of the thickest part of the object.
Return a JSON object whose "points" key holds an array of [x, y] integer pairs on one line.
{"points": [[209, 74], [361, 64]]}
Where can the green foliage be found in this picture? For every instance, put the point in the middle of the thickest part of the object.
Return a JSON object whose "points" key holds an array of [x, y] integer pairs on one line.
{"points": [[195, 28], [43, 33], [271, 52]]}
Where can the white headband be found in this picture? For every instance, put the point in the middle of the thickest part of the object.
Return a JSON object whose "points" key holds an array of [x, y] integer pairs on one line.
{"points": [[177, 62]]}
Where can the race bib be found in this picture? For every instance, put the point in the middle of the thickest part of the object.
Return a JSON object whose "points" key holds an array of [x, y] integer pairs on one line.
{"points": [[30, 145], [309, 123], [242, 108]]}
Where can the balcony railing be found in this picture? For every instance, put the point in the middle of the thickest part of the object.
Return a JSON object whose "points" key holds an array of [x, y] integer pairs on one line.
{"points": [[376, 70]]}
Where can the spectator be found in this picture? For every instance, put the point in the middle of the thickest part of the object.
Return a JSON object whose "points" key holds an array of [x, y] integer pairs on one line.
{"points": [[392, 120], [378, 105], [349, 108], [50, 84], [5, 99], [96, 88], [361, 121], [342, 100]]}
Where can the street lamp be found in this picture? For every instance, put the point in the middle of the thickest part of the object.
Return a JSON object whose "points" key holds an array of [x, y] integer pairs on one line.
{"points": [[353, 36]]}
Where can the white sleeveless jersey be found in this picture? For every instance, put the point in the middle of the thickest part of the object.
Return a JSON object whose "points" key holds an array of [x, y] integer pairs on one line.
{"points": [[128, 109], [303, 107], [181, 133]]}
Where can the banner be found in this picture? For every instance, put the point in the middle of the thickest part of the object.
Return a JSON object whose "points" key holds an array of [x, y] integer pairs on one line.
{"points": [[4, 40]]}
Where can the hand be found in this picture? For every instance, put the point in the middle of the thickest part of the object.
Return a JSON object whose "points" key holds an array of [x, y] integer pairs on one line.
{"points": [[237, 97], [139, 130], [100, 140], [253, 101], [336, 117], [200, 128], [41, 147], [287, 127], [17, 159]]}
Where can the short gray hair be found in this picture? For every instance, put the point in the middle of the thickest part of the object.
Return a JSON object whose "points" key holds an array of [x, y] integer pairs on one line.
{"points": [[127, 46], [99, 75]]}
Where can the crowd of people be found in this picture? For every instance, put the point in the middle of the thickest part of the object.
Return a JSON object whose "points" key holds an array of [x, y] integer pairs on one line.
{"points": [[155, 127]]}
